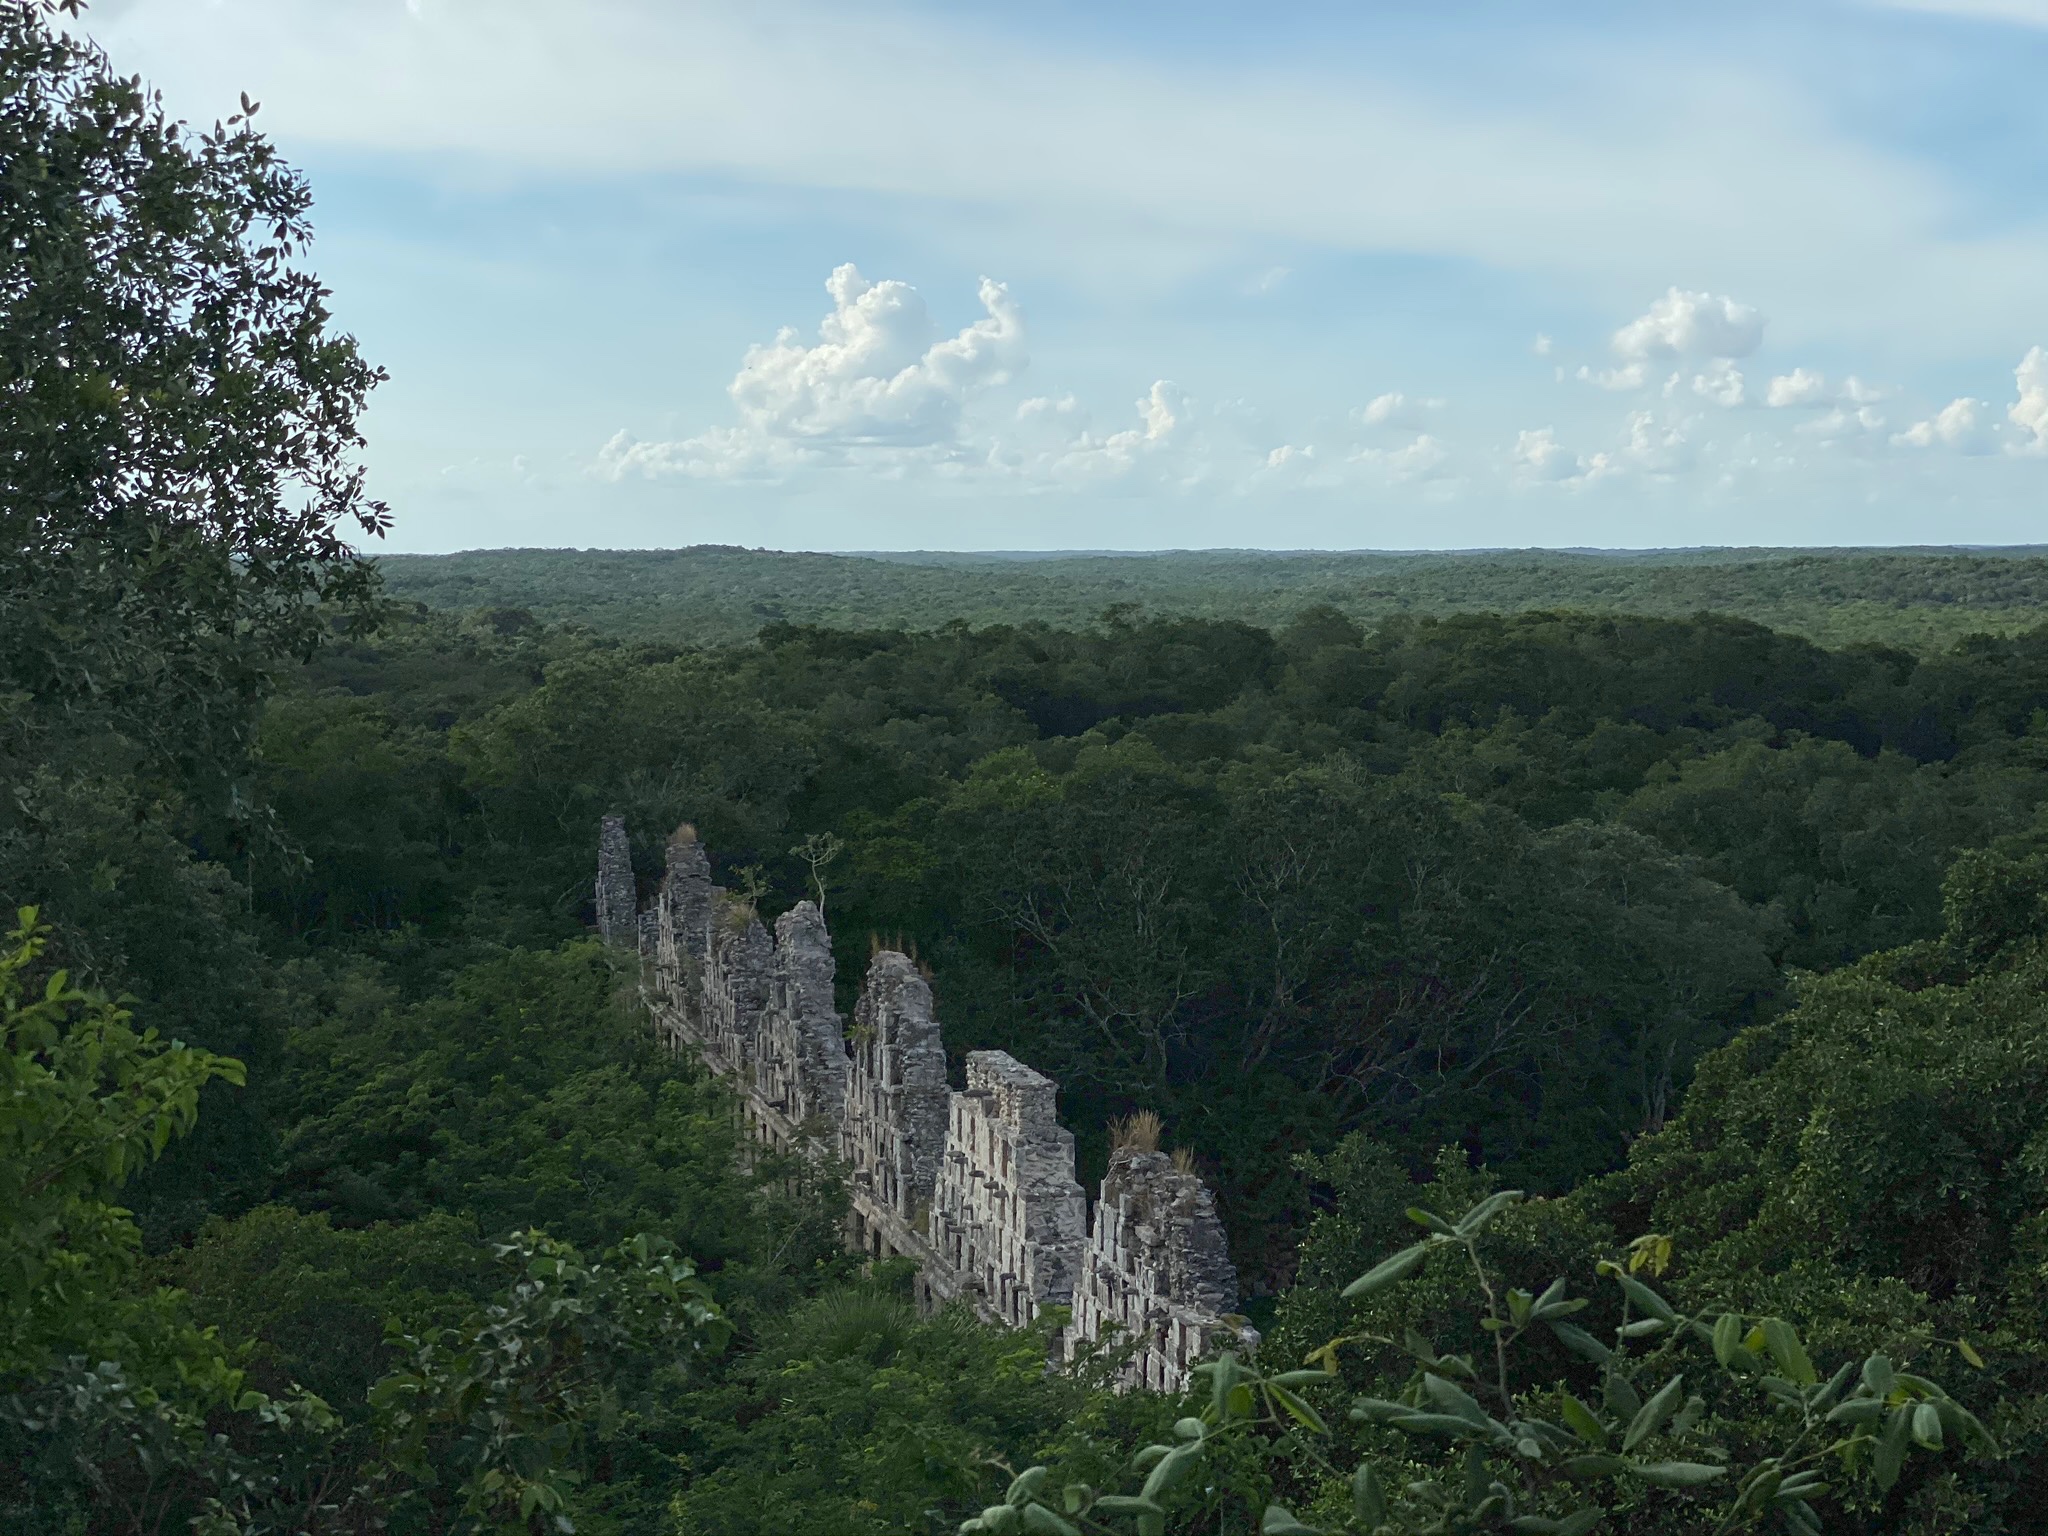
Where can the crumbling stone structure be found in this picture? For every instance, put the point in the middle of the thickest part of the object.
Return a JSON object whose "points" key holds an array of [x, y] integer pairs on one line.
{"points": [[1009, 1216], [618, 900], [977, 1185], [893, 1138], [1156, 1267]]}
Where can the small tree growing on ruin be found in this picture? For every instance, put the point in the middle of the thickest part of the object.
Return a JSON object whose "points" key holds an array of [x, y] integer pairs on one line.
{"points": [[817, 850]]}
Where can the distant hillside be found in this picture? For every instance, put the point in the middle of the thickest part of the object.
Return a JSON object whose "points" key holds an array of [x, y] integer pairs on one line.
{"points": [[1922, 599]]}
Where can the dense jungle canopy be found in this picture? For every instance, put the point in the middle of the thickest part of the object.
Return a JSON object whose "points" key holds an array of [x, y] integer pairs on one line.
{"points": [[1498, 961]]}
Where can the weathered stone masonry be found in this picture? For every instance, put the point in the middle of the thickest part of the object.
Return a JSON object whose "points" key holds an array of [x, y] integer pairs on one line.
{"points": [[977, 1185]]}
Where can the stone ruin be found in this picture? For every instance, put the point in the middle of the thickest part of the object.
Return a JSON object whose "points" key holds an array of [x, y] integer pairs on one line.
{"points": [[977, 1184]]}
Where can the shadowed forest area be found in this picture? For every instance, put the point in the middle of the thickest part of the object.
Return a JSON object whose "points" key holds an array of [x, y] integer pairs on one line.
{"points": [[1616, 1039]]}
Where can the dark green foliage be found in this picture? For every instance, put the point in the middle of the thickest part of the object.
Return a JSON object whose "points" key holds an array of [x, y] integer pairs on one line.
{"points": [[175, 452], [1691, 1423], [1361, 870], [1923, 600]]}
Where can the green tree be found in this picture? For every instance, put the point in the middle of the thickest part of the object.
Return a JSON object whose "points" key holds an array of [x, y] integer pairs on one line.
{"points": [[176, 451]]}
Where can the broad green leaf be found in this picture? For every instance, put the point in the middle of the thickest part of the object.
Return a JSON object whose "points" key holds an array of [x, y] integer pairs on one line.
{"points": [[1434, 1424], [1890, 1454], [1386, 1272], [1662, 1404], [1279, 1521], [1026, 1485], [1043, 1521], [1782, 1340], [1584, 1422], [1475, 1220], [1581, 1343], [1453, 1399], [1677, 1474], [1727, 1337], [1927, 1426], [1368, 1498]]}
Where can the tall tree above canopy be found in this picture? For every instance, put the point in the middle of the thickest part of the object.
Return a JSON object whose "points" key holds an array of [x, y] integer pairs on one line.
{"points": [[177, 413]]}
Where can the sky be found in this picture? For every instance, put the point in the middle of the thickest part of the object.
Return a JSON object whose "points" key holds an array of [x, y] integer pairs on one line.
{"points": [[1058, 275]]}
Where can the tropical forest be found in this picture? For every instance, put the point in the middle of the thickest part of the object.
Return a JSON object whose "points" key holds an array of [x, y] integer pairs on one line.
{"points": [[1606, 996]]}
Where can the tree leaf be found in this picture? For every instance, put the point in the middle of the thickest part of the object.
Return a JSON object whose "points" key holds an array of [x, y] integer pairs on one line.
{"points": [[1279, 1521], [1677, 1474], [1583, 1421], [1386, 1272], [1368, 1497], [1650, 1418]]}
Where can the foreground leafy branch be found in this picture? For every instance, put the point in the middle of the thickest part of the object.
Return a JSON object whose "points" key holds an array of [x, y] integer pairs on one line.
{"points": [[1711, 1424]]}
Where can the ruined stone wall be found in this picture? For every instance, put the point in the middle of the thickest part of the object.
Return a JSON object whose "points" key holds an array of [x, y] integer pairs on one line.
{"points": [[976, 1186], [897, 1101], [800, 1055], [618, 901], [1008, 1213], [1156, 1267]]}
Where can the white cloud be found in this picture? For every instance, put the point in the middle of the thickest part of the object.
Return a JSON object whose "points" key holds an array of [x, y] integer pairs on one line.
{"points": [[1538, 455], [2030, 411], [1542, 345], [1341, 152], [878, 382], [1066, 448], [1720, 383], [1961, 425], [1398, 410], [1426, 458], [1800, 387], [1634, 376], [1804, 388], [1662, 450], [1842, 425], [1686, 324]]}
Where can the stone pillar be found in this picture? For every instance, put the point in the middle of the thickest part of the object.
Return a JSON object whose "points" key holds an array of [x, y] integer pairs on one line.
{"points": [[801, 1066], [690, 895], [734, 989], [617, 899], [1158, 1268], [1007, 1214], [897, 1100]]}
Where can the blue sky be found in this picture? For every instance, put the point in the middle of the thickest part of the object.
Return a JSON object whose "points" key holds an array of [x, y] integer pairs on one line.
{"points": [[1142, 276]]}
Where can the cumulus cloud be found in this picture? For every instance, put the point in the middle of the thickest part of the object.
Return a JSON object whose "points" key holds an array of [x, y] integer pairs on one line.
{"points": [[1426, 458], [1804, 388], [878, 382], [1800, 387], [1720, 383], [1396, 409], [1538, 455], [1960, 425], [1687, 324], [1061, 444], [1634, 376], [1659, 450], [1842, 425], [2029, 412]]}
